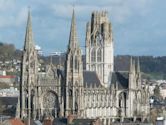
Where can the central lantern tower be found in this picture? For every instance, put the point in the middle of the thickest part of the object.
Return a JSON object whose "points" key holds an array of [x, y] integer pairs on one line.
{"points": [[99, 46]]}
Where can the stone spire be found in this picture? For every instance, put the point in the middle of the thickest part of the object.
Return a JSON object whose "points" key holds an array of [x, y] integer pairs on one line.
{"points": [[138, 66], [29, 35], [73, 40], [131, 65], [28, 77], [73, 74]]}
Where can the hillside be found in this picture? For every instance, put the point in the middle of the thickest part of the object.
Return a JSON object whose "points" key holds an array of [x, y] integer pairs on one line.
{"points": [[153, 67], [8, 52]]}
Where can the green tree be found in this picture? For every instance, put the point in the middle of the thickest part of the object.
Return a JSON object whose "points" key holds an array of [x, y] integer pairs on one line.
{"points": [[7, 51]]}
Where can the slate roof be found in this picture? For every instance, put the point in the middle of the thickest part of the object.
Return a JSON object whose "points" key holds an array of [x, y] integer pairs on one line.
{"points": [[90, 77], [83, 121], [121, 78], [9, 100], [9, 105], [63, 121], [60, 121]]}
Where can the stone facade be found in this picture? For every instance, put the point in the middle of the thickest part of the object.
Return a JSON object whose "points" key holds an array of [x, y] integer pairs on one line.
{"points": [[99, 91]]}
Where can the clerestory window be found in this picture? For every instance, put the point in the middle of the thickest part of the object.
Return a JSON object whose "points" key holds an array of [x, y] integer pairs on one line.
{"points": [[93, 55]]}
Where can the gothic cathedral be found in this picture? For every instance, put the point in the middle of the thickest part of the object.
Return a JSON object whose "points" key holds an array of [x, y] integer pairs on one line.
{"points": [[97, 91]]}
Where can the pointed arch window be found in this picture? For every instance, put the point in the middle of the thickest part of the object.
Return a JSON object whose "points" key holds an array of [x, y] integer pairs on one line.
{"points": [[93, 55], [76, 107], [76, 63], [70, 98], [99, 55]]}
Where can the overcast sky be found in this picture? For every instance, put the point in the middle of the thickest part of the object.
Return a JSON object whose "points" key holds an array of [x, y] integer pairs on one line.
{"points": [[139, 26]]}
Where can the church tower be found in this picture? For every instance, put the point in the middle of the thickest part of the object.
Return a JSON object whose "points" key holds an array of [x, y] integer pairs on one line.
{"points": [[74, 74], [29, 75], [99, 46]]}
